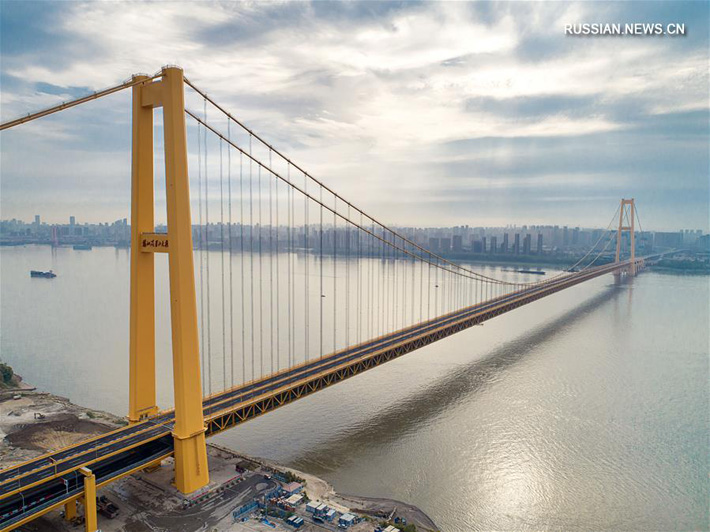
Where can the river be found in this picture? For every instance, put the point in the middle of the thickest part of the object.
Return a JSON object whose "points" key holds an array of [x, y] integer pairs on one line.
{"points": [[587, 410]]}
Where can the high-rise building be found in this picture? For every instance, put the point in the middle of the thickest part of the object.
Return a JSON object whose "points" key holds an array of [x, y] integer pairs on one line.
{"points": [[516, 245], [458, 243], [667, 240], [504, 245], [72, 220], [539, 243], [483, 244], [37, 221], [526, 244], [494, 244]]}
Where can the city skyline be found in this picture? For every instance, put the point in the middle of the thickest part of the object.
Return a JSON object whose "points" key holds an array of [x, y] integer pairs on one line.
{"points": [[161, 224], [422, 113], [509, 239]]}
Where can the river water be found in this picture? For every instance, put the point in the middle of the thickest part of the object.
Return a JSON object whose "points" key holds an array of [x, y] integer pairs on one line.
{"points": [[587, 410]]}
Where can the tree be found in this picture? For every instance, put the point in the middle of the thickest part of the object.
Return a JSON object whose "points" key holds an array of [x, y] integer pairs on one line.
{"points": [[6, 373]]}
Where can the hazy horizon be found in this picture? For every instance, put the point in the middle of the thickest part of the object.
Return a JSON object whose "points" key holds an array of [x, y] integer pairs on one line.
{"points": [[160, 224]]}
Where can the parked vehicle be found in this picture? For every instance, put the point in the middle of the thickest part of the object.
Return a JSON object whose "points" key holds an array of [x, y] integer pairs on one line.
{"points": [[106, 507]]}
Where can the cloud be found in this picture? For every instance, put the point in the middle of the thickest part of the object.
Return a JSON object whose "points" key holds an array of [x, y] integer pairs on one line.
{"points": [[401, 107]]}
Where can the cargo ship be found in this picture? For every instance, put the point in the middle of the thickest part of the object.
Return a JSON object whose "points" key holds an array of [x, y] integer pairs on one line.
{"points": [[534, 272], [47, 275], [82, 247]]}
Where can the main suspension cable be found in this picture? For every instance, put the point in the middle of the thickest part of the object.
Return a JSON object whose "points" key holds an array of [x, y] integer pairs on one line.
{"points": [[73, 103]]}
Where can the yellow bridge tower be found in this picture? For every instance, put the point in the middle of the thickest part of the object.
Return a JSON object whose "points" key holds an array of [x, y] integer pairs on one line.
{"points": [[168, 92], [627, 211]]}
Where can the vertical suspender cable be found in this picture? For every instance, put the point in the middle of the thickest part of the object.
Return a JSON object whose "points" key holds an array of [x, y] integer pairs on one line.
{"points": [[414, 291], [396, 275], [428, 300], [381, 285], [457, 292], [201, 255], [221, 239], [271, 268], [436, 290], [292, 265], [374, 294], [307, 255], [251, 256], [386, 282], [452, 292], [395, 284], [278, 277], [261, 283], [347, 281], [393, 290], [421, 291], [288, 268], [207, 255], [385, 286], [402, 310], [241, 269], [359, 283], [288, 264], [231, 251], [335, 273], [320, 250]]}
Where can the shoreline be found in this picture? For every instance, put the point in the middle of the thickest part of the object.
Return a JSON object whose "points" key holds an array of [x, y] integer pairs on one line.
{"points": [[34, 422], [320, 489], [552, 262]]}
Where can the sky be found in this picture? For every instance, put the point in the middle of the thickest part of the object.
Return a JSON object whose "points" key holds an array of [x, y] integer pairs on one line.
{"points": [[423, 114]]}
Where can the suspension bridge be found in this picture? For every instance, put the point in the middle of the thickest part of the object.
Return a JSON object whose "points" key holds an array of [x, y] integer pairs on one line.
{"points": [[279, 287]]}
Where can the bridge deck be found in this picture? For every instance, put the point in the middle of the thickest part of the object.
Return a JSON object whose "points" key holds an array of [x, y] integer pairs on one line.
{"points": [[41, 483]]}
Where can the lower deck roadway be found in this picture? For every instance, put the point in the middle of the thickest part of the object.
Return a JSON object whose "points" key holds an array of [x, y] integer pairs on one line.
{"points": [[39, 479]]}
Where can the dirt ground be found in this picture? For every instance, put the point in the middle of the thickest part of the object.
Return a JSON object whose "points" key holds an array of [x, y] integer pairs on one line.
{"points": [[32, 423]]}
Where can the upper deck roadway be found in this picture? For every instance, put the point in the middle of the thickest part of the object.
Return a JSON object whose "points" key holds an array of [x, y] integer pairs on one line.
{"points": [[42, 484]]}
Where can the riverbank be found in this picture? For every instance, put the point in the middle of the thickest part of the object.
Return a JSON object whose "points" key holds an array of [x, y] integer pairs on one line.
{"points": [[682, 267], [33, 422]]}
